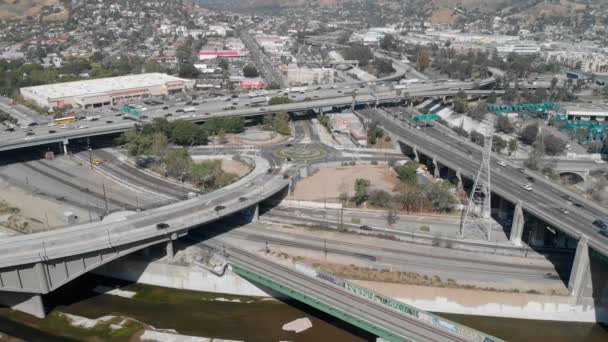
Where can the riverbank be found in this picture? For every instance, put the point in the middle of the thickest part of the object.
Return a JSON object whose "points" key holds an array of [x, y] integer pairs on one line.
{"points": [[179, 274]]}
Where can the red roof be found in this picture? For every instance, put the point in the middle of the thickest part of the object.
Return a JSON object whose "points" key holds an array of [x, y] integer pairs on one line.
{"points": [[224, 53]]}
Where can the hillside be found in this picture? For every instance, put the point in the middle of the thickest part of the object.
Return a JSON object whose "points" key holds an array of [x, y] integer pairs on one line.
{"points": [[14, 9]]}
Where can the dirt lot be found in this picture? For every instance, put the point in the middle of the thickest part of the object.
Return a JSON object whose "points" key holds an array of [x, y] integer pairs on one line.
{"points": [[329, 183], [236, 167]]}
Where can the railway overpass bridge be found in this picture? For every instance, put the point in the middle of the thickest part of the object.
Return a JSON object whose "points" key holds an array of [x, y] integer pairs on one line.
{"points": [[35, 264]]}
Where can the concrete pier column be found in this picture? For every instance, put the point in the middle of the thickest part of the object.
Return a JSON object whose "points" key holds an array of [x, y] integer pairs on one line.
{"points": [[436, 172], [256, 213], [579, 283], [416, 157], [42, 278], [459, 186], [30, 303], [169, 247], [65, 146], [502, 209], [517, 226]]}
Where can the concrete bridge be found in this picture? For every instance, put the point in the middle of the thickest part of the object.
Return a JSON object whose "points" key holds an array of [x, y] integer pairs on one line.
{"points": [[36, 264]]}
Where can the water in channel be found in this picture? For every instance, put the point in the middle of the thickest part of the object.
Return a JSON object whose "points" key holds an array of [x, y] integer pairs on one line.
{"points": [[235, 318]]}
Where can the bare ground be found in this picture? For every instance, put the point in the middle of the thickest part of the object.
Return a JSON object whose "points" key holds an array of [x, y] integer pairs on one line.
{"points": [[329, 183], [235, 167]]}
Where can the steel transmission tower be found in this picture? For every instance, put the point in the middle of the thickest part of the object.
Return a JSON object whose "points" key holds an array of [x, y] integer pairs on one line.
{"points": [[477, 218]]}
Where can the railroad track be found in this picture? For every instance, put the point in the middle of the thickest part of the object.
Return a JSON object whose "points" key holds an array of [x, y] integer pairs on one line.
{"points": [[334, 246], [343, 298], [80, 190], [137, 177]]}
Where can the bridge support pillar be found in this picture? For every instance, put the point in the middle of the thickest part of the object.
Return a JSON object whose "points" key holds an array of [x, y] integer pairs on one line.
{"points": [[30, 303], [517, 226], [256, 213], [580, 284], [169, 248], [416, 157], [436, 172], [42, 278], [459, 186], [502, 209], [65, 146]]}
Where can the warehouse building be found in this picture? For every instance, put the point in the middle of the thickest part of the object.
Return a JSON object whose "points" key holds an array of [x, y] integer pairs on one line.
{"points": [[104, 91]]}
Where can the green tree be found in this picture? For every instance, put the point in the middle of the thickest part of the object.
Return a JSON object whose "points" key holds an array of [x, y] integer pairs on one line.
{"points": [[152, 66], [388, 42], [504, 125], [159, 145], [361, 190], [178, 162], [553, 145], [477, 138], [187, 70], [392, 215], [498, 144], [513, 146], [276, 100], [379, 198], [407, 172], [529, 133], [440, 196], [250, 71], [186, 133], [358, 52]]}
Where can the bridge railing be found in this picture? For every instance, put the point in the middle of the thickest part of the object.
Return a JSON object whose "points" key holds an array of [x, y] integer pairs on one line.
{"points": [[423, 316]]}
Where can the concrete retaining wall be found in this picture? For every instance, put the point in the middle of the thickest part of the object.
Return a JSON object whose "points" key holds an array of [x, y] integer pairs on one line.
{"points": [[180, 277]]}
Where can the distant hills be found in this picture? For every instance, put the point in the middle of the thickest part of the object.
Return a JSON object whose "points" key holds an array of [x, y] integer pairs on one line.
{"points": [[11, 9]]}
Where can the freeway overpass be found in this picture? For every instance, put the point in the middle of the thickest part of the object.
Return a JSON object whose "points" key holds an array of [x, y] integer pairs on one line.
{"points": [[35, 264], [42, 136], [544, 202]]}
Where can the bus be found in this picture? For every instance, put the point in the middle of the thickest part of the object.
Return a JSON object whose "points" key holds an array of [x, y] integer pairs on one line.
{"points": [[65, 120]]}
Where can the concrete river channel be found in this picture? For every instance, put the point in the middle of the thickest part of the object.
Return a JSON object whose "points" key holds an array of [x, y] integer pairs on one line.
{"points": [[230, 317]]}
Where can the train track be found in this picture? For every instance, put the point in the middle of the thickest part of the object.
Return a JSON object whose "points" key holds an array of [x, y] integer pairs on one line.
{"points": [[137, 177], [339, 247], [344, 298], [99, 198]]}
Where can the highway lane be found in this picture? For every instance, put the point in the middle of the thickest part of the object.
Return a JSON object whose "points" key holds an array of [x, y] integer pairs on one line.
{"points": [[115, 122], [182, 215], [479, 269], [543, 202]]}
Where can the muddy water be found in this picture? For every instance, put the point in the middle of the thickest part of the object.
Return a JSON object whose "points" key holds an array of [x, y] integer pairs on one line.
{"points": [[240, 318]]}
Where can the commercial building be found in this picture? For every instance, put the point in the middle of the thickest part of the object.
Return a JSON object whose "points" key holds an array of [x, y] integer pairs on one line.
{"points": [[249, 83], [576, 111], [519, 47], [104, 91], [310, 76], [207, 54]]}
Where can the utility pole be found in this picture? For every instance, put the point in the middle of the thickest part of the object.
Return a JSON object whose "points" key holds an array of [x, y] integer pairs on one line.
{"points": [[105, 198], [90, 156]]}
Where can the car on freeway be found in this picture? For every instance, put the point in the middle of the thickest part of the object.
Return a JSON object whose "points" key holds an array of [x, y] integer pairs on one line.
{"points": [[599, 161], [162, 225], [168, 115], [601, 224], [219, 207], [527, 186], [530, 179], [52, 131], [28, 138], [521, 169], [165, 107], [181, 110], [109, 121], [365, 227], [242, 199], [29, 133], [51, 124], [564, 210], [502, 163], [578, 205], [33, 124], [249, 184]]}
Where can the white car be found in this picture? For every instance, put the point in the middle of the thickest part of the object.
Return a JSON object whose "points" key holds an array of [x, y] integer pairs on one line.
{"points": [[527, 187], [29, 138], [502, 163], [599, 161], [51, 124]]}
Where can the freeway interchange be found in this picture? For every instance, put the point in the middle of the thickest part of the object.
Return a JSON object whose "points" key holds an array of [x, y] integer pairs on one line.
{"points": [[544, 202]]}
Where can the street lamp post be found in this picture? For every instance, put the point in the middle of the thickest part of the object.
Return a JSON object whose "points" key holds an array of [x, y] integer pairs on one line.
{"points": [[90, 156]]}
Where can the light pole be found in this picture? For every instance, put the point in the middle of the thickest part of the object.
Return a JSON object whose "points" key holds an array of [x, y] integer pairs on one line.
{"points": [[90, 157]]}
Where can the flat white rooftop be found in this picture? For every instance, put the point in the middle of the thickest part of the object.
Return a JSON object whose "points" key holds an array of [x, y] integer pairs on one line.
{"points": [[102, 85]]}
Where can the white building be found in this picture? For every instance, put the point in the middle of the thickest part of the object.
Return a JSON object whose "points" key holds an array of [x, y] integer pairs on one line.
{"points": [[520, 48], [577, 111], [591, 62], [311, 76], [104, 91]]}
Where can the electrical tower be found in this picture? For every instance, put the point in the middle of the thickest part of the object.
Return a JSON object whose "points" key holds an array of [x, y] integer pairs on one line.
{"points": [[477, 219]]}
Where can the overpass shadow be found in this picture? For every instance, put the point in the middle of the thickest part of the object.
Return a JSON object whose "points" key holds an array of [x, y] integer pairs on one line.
{"points": [[599, 279]]}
